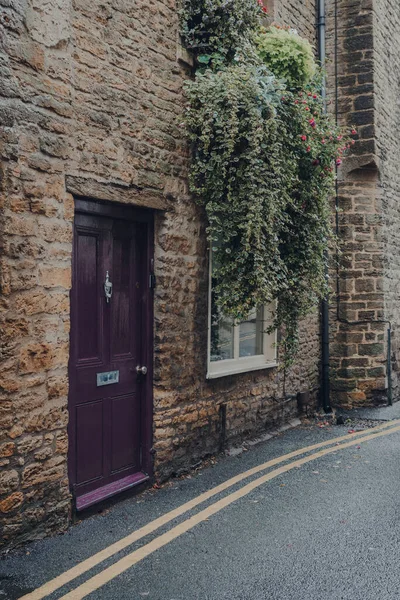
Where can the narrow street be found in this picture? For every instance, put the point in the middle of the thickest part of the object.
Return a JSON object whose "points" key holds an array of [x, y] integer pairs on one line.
{"points": [[312, 514]]}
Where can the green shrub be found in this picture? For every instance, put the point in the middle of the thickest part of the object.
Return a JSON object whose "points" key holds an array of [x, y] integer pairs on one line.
{"points": [[263, 153], [287, 55], [262, 165], [219, 26]]}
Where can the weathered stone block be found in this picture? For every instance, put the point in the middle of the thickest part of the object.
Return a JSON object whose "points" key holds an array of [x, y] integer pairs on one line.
{"points": [[371, 349], [7, 449], [9, 481], [35, 358], [12, 502]]}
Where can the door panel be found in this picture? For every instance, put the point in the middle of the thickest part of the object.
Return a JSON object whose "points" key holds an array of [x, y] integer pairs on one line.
{"points": [[88, 342], [107, 425], [122, 335], [125, 427], [89, 427]]}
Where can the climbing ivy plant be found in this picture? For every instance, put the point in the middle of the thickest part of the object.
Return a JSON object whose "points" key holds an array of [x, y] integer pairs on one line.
{"points": [[263, 164]]}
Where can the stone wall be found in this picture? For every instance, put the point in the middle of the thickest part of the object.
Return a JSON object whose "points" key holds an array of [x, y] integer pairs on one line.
{"points": [[387, 110], [90, 100], [358, 328]]}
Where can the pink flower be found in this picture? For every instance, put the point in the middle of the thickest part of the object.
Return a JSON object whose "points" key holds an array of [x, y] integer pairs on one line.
{"points": [[308, 148], [353, 132], [304, 137], [307, 108], [339, 161], [312, 122], [315, 96]]}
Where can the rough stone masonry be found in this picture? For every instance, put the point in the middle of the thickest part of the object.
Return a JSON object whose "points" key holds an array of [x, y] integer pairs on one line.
{"points": [[364, 47], [90, 105]]}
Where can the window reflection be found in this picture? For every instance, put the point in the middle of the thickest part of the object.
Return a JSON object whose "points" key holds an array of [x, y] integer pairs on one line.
{"points": [[251, 334], [222, 337]]}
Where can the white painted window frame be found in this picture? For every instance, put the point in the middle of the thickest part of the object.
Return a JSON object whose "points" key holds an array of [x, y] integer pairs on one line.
{"points": [[245, 364]]}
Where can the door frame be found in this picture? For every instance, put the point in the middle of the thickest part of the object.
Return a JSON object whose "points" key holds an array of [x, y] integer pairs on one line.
{"points": [[100, 208]]}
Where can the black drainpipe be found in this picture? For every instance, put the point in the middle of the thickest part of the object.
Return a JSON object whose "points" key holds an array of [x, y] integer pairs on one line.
{"points": [[325, 391]]}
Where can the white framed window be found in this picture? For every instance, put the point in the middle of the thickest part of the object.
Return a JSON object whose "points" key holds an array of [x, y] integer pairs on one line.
{"points": [[239, 348]]}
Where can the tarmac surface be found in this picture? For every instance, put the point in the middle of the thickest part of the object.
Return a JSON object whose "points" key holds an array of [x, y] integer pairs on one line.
{"points": [[326, 530]]}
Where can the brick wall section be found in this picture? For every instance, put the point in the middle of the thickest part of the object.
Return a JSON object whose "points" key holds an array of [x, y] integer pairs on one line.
{"points": [[95, 90], [358, 347]]}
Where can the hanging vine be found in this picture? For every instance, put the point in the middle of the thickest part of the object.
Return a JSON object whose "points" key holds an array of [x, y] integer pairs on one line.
{"points": [[263, 155]]}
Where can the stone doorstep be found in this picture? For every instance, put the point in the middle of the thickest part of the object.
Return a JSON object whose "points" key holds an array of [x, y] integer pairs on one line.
{"points": [[236, 450]]}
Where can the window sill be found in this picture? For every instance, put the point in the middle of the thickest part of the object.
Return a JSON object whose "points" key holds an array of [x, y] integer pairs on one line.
{"points": [[237, 369]]}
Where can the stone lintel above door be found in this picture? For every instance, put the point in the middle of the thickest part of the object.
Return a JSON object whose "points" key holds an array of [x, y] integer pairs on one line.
{"points": [[86, 187]]}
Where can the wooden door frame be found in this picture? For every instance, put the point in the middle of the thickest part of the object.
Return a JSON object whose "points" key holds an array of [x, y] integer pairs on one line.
{"points": [[100, 208]]}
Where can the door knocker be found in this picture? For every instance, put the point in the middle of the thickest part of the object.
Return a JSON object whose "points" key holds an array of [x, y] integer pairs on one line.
{"points": [[108, 288]]}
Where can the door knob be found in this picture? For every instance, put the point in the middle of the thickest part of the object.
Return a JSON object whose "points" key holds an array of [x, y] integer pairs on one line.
{"points": [[141, 370]]}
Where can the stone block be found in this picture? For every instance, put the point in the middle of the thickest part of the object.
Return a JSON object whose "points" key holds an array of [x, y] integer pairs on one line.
{"points": [[12, 502], [7, 449], [35, 358], [371, 349], [50, 277], [9, 481]]}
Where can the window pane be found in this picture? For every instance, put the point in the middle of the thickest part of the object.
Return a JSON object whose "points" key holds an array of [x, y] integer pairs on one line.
{"points": [[221, 334], [251, 334]]}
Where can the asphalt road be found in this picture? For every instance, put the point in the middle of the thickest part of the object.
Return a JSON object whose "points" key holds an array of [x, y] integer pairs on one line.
{"points": [[328, 529]]}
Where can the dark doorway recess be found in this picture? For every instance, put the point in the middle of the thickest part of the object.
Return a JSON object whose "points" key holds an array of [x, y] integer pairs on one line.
{"points": [[110, 393]]}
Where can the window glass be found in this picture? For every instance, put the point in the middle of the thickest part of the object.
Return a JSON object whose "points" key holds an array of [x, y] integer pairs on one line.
{"points": [[242, 347], [251, 334]]}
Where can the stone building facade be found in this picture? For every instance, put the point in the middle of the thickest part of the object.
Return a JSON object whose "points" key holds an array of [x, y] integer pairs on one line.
{"points": [[363, 47], [90, 105]]}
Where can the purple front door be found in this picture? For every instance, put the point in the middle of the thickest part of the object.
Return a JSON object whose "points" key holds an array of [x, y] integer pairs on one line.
{"points": [[110, 311]]}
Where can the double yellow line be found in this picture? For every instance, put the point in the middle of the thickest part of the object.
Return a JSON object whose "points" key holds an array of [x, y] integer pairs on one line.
{"points": [[97, 581]]}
